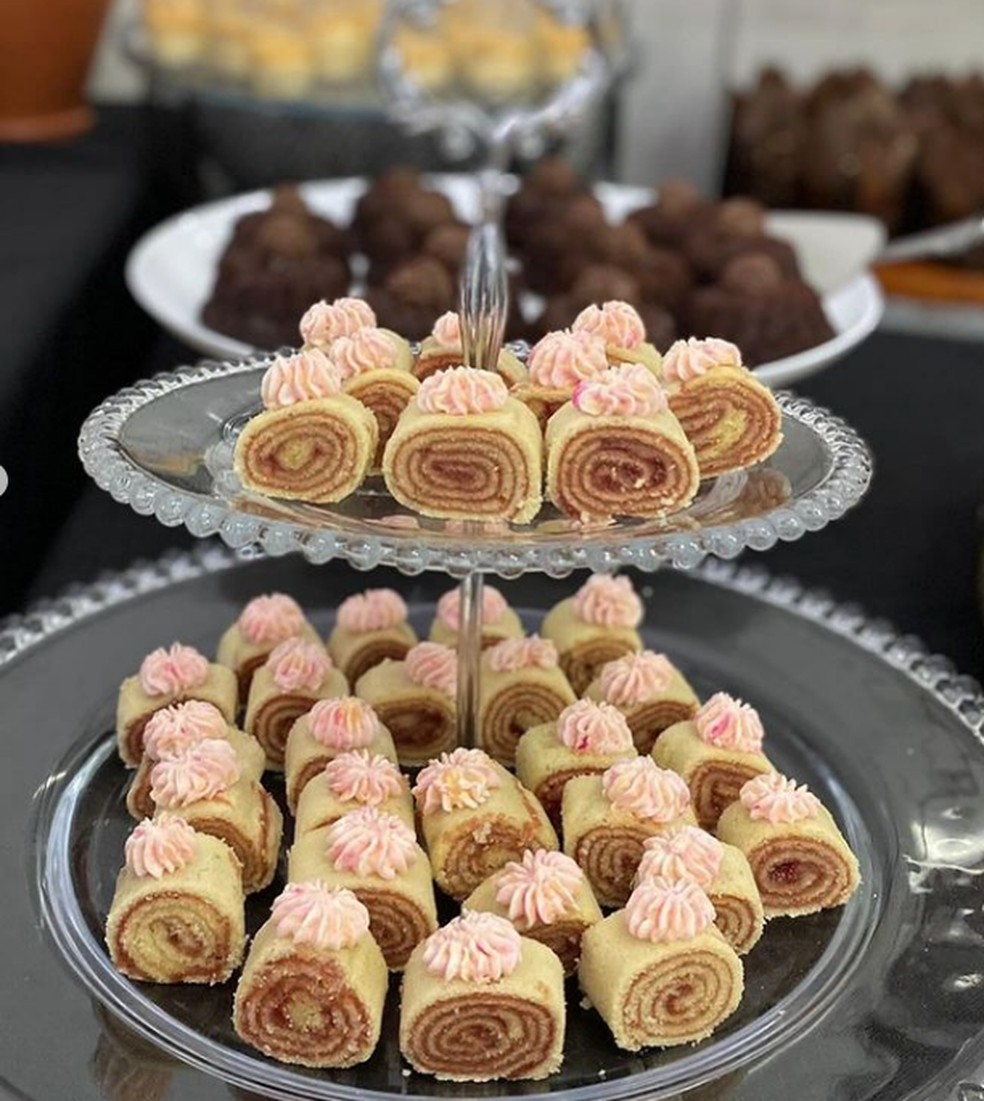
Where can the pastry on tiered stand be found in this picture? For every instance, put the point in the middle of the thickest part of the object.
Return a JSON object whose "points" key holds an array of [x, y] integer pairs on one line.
{"points": [[584, 740], [594, 626], [444, 348], [650, 692], [463, 449], [719, 869], [798, 856], [499, 621], [369, 627], [546, 896], [521, 686], [659, 972], [556, 364], [616, 449], [314, 984], [357, 778], [376, 856], [607, 820], [622, 330], [293, 678], [172, 730], [263, 624], [206, 786], [732, 420], [177, 913], [311, 442], [167, 677], [332, 726], [415, 700], [475, 817], [325, 322], [716, 752], [481, 1002]]}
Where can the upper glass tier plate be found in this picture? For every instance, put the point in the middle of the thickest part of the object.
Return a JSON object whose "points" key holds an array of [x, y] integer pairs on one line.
{"points": [[165, 448]]}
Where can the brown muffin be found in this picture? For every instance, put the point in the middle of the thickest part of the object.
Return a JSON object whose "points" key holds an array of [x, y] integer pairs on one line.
{"points": [[413, 295]]}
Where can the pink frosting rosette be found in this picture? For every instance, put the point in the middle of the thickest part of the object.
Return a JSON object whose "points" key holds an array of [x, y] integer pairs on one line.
{"points": [[461, 779], [432, 665], [160, 847], [635, 678], [617, 323], [167, 672], [605, 601], [561, 359], [373, 610], [361, 777], [728, 723], [777, 799], [691, 358], [494, 607], [203, 771], [271, 618], [685, 853], [593, 728], [447, 331], [641, 788], [172, 730], [324, 322], [663, 912], [477, 947], [304, 376], [298, 665], [322, 916], [513, 654], [629, 390], [343, 722], [368, 349], [539, 889], [371, 842], [461, 391]]}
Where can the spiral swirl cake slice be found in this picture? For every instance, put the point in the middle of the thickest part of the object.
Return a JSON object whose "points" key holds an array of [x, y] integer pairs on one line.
{"points": [[355, 779], [443, 348], [385, 393]]}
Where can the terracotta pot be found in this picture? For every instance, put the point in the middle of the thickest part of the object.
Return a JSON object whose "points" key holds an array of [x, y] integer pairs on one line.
{"points": [[45, 50]]}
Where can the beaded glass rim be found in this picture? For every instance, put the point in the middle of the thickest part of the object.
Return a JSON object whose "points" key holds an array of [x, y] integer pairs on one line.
{"points": [[507, 555]]}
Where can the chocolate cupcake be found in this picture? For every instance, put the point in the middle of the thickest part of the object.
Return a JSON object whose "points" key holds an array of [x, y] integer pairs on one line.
{"points": [[412, 296]]}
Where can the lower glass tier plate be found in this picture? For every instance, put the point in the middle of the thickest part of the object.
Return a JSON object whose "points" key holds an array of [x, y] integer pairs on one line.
{"points": [[882, 999]]}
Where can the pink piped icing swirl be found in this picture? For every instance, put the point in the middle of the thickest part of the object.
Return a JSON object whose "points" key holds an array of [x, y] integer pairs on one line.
{"points": [[691, 358], [617, 323], [461, 391], [373, 610], [539, 889], [324, 322], [728, 723], [635, 678], [432, 665], [371, 842], [663, 912], [477, 947], [685, 853], [344, 722], [777, 799], [172, 730], [447, 331], [593, 728], [203, 771], [322, 916], [167, 672], [304, 376], [629, 390], [361, 777], [512, 654], [494, 608], [643, 789], [461, 779], [605, 601], [561, 359], [367, 349], [160, 847], [270, 619], [298, 665]]}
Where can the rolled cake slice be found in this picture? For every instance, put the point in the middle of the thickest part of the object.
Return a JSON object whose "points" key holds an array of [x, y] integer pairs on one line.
{"points": [[293, 678], [616, 449], [331, 727], [721, 870], [584, 740], [177, 913], [167, 677], [716, 753], [521, 686], [622, 330], [444, 348], [556, 364], [594, 626], [263, 624], [325, 322], [370, 627], [314, 984], [546, 896], [376, 856], [798, 856], [172, 730], [311, 442], [205, 784], [475, 817], [480, 1002], [607, 820], [650, 692], [463, 449], [732, 420], [499, 621], [415, 700], [658, 972], [352, 780]]}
